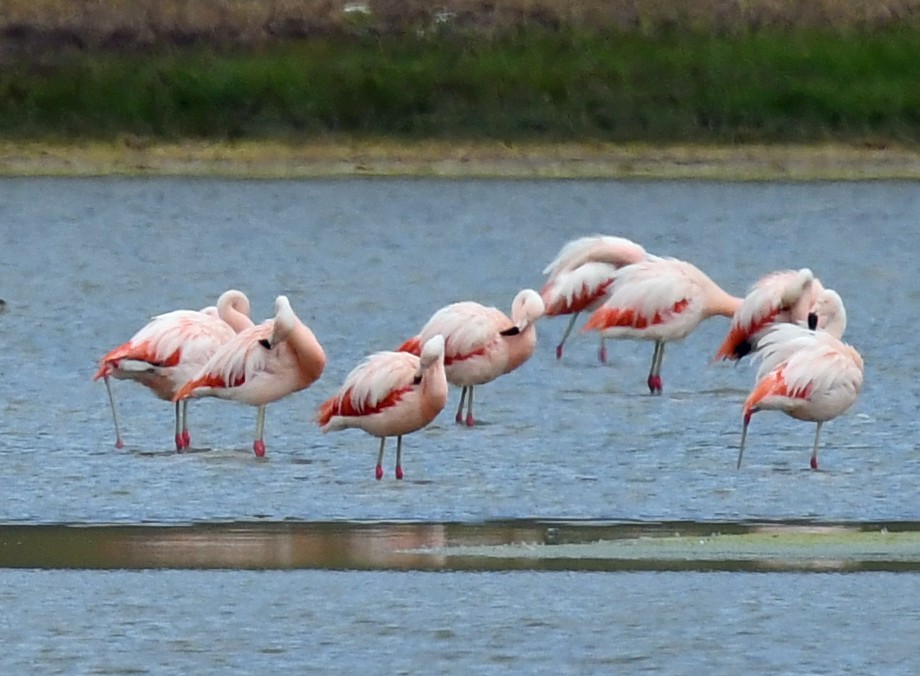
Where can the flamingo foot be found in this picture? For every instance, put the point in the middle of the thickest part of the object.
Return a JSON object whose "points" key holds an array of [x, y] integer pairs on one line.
{"points": [[470, 420], [258, 447], [602, 354], [379, 472], [654, 384], [459, 419], [179, 444], [559, 351], [399, 472], [119, 443], [186, 439], [814, 463]]}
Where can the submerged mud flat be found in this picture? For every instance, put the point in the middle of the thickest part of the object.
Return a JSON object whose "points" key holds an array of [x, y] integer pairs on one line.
{"points": [[508, 545]]}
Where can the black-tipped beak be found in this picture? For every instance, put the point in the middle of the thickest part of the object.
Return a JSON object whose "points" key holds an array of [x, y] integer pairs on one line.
{"points": [[812, 321], [264, 343], [417, 380], [513, 331]]}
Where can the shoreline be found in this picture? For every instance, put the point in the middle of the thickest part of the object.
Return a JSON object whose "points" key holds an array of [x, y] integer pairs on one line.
{"points": [[130, 156]]}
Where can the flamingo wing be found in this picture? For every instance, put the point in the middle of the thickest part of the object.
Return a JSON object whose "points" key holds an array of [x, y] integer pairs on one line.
{"points": [[377, 383], [801, 366], [650, 295], [183, 336], [233, 363], [571, 291], [616, 251], [769, 300], [468, 328]]}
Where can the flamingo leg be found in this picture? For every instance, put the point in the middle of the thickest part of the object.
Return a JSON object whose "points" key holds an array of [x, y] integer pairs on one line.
{"points": [[747, 421], [379, 468], [258, 446], [602, 351], [399, 471], [565, 335], [814, 451], [459, 416], [470, 421], [654, 374], [186, 435], [179, 444], [119, 443]]}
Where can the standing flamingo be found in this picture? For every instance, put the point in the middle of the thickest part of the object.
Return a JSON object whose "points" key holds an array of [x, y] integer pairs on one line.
{"points": [[807, 373], [663, 300], [779, 297], [170, 349], [580, 277], [260, 365], [390, 394], [481, 343]]}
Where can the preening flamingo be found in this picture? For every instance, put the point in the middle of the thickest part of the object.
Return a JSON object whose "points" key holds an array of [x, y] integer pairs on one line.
{"points": [[807, 373], [663, 300], [260, 365], [170, 349], [784, 296], [580, 277], [390, 394], [481, 343]]}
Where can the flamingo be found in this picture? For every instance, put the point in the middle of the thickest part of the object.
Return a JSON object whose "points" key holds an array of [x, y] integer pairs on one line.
{"points": [[261, 364], [778, 297], [170, 349], [661, 299], [390, 394], [481, 343], [807, 373], [580, 277]]}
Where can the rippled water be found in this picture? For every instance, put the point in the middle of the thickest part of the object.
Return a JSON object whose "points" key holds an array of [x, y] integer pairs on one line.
{"points": [[84, 263]]}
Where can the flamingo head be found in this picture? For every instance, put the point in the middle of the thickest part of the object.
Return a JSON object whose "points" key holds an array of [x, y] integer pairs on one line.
{"points": [[526, 309]]}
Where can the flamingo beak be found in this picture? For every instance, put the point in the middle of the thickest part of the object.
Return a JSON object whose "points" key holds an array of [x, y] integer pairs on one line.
{"points": [[265, 343], [513, 331]]}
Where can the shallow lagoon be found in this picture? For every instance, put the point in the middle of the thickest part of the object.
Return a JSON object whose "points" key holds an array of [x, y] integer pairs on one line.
{"points": [[365, 262]]}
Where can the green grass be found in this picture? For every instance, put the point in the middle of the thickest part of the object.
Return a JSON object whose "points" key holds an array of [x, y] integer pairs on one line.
{"points": [[782, 87]]}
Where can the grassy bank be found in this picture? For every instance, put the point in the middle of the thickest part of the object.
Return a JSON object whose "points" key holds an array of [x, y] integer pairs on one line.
{"points": [[793, 86]]}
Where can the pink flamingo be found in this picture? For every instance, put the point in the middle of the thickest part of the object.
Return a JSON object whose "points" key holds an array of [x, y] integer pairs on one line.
{"points": [[260, 365], [663, 300], [390, 394], [580, 277], [481, 343], [807, 373], [779, 297], [170, 349]]}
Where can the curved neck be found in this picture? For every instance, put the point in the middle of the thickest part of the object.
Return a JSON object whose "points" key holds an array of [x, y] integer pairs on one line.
{"points": [[236, 313], [307, 350], [520, 347], [721, 303]]}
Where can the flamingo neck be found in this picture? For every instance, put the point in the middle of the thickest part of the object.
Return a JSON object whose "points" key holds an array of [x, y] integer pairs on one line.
{"points": [[307, 351]]}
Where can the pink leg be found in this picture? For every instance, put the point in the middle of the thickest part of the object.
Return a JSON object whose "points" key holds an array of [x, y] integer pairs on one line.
{"points": [[459, 416], [379, 469], [186, 436], [470, 421], [602, 352], [565, 335], [654, 375], [814, 451], [399, 471], [180, 444], [258, 446]]}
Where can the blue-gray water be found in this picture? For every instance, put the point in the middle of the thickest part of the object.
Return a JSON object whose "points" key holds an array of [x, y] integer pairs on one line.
{"points": [[85, 262]]}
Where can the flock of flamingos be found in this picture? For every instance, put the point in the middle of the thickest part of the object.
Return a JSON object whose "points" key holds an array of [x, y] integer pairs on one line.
{"points": [[787, 320]]}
